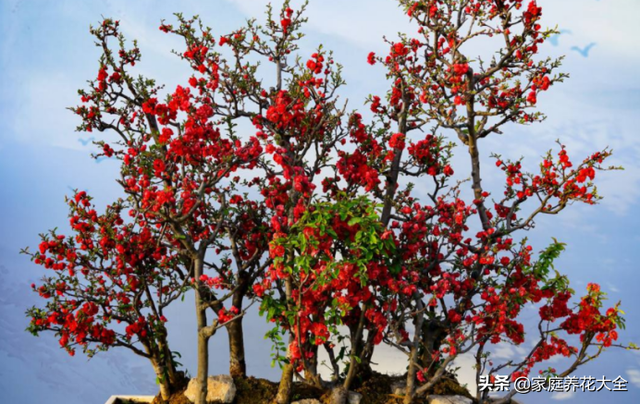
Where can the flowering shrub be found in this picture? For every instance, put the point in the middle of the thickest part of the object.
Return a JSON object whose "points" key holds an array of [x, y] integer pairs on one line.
{"points": [[110, 272], [314, 213]]}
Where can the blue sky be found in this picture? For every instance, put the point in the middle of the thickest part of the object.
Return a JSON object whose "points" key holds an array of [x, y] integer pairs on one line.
{"points": [[46, 53]]}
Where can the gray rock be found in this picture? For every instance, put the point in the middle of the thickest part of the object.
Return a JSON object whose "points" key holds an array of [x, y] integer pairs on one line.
{"points": [[129, 399], [354, 398], [219, 388], [510, 402], [398, 388], [307, 401], [449, 400]]}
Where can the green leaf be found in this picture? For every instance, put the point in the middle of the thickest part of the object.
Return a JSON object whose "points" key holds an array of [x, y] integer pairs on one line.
{"points": [[354, 220]]}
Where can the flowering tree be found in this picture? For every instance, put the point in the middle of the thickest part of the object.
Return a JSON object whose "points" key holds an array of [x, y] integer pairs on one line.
{"points": [[110, 273], [314, 212], [295, 117], [184, 167], [176, 172], [460, 289]]}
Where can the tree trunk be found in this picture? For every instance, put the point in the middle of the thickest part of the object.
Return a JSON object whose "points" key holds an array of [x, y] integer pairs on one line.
{"points": [[286, 385], [237, 363], [164, 359], [432, 336], [203, 368], [163, 367], [286, 380], [418, 336], [477, 182], [311, 366], [355, 359], [163, 381], [203, 339], [175, 377], [410, 390]]}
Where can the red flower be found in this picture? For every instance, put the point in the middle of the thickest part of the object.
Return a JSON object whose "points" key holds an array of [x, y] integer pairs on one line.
{"points": [[165, 135], [531, 98], [448, 171], [397, 141], [285, 22], [321, 332], [460, 69], [371, 59]]}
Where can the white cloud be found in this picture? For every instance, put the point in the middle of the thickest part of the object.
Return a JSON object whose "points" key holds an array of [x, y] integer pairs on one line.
{"points": [[507, 351], [566, 395], [359, 22], [612, 287], [609, 19], [634, 376]]}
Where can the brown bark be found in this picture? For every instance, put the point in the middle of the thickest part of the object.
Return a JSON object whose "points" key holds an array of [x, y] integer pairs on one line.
{"points": [[163, 380], [477, 182], [203, 339], [237, 363], [159, 355], [311, 366], [286, 381], [203, 368], [356, 347], [432, 336], [394, 170], [340, 393], [415, 347], [175, 377], [286, 385]]}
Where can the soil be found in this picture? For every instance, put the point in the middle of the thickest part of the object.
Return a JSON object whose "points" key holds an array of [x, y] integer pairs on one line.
{"points": [[375, 390]]}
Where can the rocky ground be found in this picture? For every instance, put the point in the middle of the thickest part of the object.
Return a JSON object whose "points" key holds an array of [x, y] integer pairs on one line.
{"points": [[378, 389]]}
